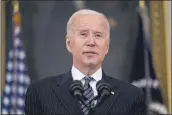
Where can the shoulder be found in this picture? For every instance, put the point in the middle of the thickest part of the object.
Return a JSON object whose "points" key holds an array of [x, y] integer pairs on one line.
{"points": [[125, 88], [122, 84], [46, 83], [130, 95]]}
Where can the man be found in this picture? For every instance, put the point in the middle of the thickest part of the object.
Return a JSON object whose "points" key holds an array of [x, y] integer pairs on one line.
{"points": [[87, 39]]}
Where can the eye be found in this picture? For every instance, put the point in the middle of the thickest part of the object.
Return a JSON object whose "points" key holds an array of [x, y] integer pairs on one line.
{"points": [[83, 34], [98, 36]]}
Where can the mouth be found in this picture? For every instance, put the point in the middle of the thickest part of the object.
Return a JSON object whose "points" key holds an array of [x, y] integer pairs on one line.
{"points": [[90, 52]]}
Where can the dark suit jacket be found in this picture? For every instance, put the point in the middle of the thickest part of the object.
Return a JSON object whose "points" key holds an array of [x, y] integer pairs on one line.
{"points": [[51, 96]]}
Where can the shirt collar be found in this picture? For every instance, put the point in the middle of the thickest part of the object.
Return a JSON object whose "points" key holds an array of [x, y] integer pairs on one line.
{"points": [[97, 75], [77, 75]]}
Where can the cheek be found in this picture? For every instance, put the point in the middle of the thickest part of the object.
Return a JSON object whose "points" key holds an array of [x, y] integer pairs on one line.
{"points": [[79, 43], [104, 49], [77, 48]]}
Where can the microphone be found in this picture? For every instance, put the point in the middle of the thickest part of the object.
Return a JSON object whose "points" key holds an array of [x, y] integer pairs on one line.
{"points": [[77, 91], [104, 90]]}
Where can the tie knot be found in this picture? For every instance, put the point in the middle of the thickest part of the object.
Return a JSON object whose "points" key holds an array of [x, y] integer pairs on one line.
{"points": [[88, 79]]}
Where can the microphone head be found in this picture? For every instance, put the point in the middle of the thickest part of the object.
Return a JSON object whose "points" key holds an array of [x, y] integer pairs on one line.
{"points": [[76, 86], [102, 85]]}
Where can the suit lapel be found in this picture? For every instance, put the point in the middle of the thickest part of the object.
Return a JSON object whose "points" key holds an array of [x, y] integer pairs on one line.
{"points": [[61, 89], [62, 92], [104, 107]]}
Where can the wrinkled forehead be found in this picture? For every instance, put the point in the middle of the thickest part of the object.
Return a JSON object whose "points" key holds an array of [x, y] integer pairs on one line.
{"points": [[91, 22]]}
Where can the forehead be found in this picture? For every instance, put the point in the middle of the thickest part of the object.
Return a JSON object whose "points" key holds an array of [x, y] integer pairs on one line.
{"points": [[91, 22]]}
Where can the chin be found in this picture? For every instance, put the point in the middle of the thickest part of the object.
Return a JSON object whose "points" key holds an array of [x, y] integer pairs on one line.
{"points": [[91, 63]]}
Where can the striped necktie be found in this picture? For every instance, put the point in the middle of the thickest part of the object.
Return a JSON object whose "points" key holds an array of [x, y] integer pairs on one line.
{"points": [[88, 93]]}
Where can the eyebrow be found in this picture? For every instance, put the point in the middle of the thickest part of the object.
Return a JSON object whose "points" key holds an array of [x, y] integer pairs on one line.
{"points": [[83, 30], [98, 32]]}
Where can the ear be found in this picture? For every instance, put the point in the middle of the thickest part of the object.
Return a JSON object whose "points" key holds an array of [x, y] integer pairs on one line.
{"points": [[108, 42], [68, 43]]}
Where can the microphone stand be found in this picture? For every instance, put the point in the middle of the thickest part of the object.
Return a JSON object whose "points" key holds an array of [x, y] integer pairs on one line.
{"points": [[92, 108], [94, 99], [89, 107]]}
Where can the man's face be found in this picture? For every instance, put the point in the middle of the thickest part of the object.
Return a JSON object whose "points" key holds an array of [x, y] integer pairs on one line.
{"points": [[89, 40]]}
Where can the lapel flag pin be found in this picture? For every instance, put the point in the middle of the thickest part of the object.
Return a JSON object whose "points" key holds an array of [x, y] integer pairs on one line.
{"points": [[112, 93]]}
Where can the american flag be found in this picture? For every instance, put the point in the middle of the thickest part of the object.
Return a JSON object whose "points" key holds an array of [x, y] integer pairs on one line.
{"points": [[16, 78]]}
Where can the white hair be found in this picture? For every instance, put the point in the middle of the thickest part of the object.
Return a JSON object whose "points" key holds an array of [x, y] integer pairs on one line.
{"points": [[85, 12]]}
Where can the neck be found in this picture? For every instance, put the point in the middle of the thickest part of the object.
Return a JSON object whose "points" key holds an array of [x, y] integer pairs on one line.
{"points": [[87, 70]]}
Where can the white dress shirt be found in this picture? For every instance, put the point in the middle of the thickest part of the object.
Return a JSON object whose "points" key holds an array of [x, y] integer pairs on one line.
{"points": [[77, 75]]}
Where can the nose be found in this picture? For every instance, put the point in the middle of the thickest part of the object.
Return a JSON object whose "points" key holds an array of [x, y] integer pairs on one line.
{"points": [[91, 41]]}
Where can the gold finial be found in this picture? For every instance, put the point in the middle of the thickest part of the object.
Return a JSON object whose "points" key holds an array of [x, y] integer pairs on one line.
{"points": [[113, 23], [17, 19], [16, 6], [16, 15], [79, 4], [142, 4]]}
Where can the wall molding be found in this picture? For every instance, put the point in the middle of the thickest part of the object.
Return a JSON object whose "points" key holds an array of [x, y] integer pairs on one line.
{"points": [[2, 44], [160, 47]]}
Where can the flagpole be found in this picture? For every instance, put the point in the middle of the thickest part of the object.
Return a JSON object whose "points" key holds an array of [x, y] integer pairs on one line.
{"points": [[16, 18], [144, 18]]}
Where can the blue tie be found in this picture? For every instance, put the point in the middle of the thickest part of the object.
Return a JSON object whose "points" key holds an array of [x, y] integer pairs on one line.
{"points": [[88, 93]]}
